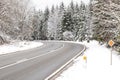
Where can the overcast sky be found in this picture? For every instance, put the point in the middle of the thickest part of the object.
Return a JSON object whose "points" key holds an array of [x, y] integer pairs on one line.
{"points": [[42, 4]]}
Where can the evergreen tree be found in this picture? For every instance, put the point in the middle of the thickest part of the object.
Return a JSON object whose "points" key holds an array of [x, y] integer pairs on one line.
{"points": [[45, 21], [88, 22], [77, 9], [54, 28], [71, 8], [62, 7], [80, 21], [67, 22], [53, 9], [104, 21]]}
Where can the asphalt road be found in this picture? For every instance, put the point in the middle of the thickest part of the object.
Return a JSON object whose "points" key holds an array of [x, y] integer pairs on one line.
{"points": [[37, 63]]}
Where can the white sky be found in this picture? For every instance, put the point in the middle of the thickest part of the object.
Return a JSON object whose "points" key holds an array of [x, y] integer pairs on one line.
{"points": [[42, 4]]}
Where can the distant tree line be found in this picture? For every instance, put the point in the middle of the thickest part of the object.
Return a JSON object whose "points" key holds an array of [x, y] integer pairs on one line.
{"points": [[62, 22], [99, 20], [19, 21]]}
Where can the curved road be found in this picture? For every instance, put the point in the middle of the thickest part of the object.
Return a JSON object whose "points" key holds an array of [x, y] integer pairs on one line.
{"points": [[37, 63]]}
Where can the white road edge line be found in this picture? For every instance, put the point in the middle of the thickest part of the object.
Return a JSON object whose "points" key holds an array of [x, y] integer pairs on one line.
{"points": [[24, 60], [65, 64]]}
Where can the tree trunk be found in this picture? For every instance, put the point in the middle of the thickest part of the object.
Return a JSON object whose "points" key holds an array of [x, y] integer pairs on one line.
{"points": [[2, 41]]}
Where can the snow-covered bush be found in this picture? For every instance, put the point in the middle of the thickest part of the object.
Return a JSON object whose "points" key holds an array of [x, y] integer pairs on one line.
{"points": [[67, 35]]}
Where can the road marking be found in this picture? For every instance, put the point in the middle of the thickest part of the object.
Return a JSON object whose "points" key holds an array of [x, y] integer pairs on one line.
{"points": [[50, 76], [24, 60]]}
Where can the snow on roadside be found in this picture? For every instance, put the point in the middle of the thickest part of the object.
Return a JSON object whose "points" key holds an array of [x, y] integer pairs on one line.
{"points": [[18, 46], [97, 67]]}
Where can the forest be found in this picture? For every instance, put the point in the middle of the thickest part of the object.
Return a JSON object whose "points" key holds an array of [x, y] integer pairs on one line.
{"points": [[99, 20]]}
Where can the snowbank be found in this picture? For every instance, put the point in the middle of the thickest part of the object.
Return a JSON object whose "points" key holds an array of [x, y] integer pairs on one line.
{"points": [[18, 46], [97, 67]]}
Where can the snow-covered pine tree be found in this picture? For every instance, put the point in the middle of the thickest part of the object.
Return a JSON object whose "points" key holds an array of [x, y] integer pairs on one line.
{"points": [[54, 28], [45, 23], [71, 7], [52, 9], [76, 20], [62, 7], [114, 7], [67, 22], [80, 21], [104, 22], [88, 22]]}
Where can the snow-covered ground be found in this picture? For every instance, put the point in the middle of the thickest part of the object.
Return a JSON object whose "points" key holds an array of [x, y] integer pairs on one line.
{"points": [[18, 46], [97, 67]]}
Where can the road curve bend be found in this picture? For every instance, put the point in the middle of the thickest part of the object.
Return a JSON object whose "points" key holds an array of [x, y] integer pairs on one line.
{"points": [[39, 63]]}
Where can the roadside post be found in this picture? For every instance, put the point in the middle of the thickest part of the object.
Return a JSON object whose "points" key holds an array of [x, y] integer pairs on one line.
{"points": [[85, 58], [111, 43]]}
